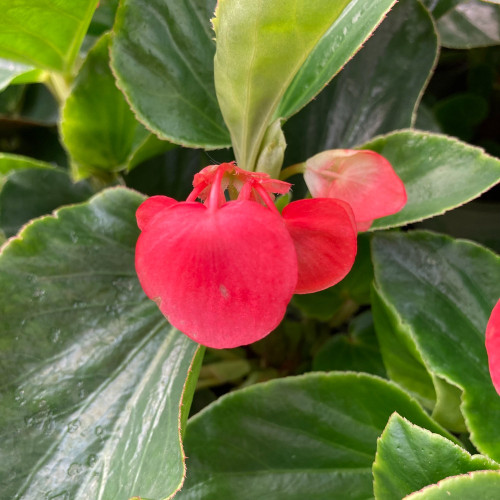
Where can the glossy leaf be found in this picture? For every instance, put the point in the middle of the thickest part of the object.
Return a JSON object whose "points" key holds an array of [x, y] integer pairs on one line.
{"points": [[357, 350], [481, 484], [440, 293], [310, 437], [162, 55], [257, 62], [92, 375], [14, 72], [44, 34], [409, 458], [34, 192], [470, 24], [98, 128], [377, 92], [439, 173]]}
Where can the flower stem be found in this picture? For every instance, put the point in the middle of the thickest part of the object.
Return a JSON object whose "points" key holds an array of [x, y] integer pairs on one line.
{"points": [[298, 168]]}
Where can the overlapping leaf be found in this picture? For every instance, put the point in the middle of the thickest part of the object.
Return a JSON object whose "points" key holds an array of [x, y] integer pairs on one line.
{"points": [[98, 128], [162, 54], [261, 48], [440, 293], [376, 92], [92, 375], [44, 34], [302, 437], [409, 458]]}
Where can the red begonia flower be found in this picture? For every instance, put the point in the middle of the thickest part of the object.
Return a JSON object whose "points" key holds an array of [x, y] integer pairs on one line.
{"points": [[223, 271], [364, 179], [493, 345]]}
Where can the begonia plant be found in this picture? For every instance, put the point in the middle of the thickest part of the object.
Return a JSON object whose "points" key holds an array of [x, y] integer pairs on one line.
{"points": [[249, 249]]}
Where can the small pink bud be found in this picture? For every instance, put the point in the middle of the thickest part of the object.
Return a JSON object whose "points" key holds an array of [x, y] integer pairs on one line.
{"points": [[493, 345], [364, 179]]}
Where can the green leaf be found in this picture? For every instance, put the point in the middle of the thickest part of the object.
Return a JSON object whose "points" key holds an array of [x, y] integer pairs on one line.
{"points": [[98, 128], [439, 173], [92, 374], [162, 55], [312, 436], [10, 163], [357, 350], [44, 34], [441, 292], [34, 192], [409, 458], [281, 52], [14, 72], [440, 7], [470, 24], [481, 484], [395, 62]]}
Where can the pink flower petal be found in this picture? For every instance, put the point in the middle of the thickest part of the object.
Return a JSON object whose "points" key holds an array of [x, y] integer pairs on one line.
{"points": [[493, 345], [324, 234], [223, 277], [364, 179], [149, 208]]}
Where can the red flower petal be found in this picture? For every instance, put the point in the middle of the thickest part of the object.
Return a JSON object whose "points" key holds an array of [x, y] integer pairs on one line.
{"points": [[223, 277], [493, 345], [364, 179], [324, 234], [152, 206]]}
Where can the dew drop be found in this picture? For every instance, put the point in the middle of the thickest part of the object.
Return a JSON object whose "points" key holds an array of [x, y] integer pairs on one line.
{"points": [[73, 426]]}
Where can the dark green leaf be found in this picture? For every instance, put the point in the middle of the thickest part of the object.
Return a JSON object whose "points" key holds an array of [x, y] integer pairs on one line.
{"points": [[162, 54], [312, 436], [440, 7], [357, 350], [98, 128], [439, 173], [470, 24], [376, 92], [409, 458], [33, 192], [440, 293], [44, 34], [92, 374]]}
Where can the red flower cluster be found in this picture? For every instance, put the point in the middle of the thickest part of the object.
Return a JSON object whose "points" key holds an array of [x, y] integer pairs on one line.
{"points": [[224, 271]]}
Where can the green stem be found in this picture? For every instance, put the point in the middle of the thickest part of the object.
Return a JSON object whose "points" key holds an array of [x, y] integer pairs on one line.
{"points": [[59, 86], [298, 168]]}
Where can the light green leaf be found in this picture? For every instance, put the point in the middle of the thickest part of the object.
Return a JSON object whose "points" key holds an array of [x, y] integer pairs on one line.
{"points": [[481, 484], [162, 55], [92, 374], [409, 458], [14, 72], [44, 34], [441, 292], [98, 128], [33, 192], [395, 62], [439, 173], [470, 24], [261, 48], [312, 436], [10, 163]]}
